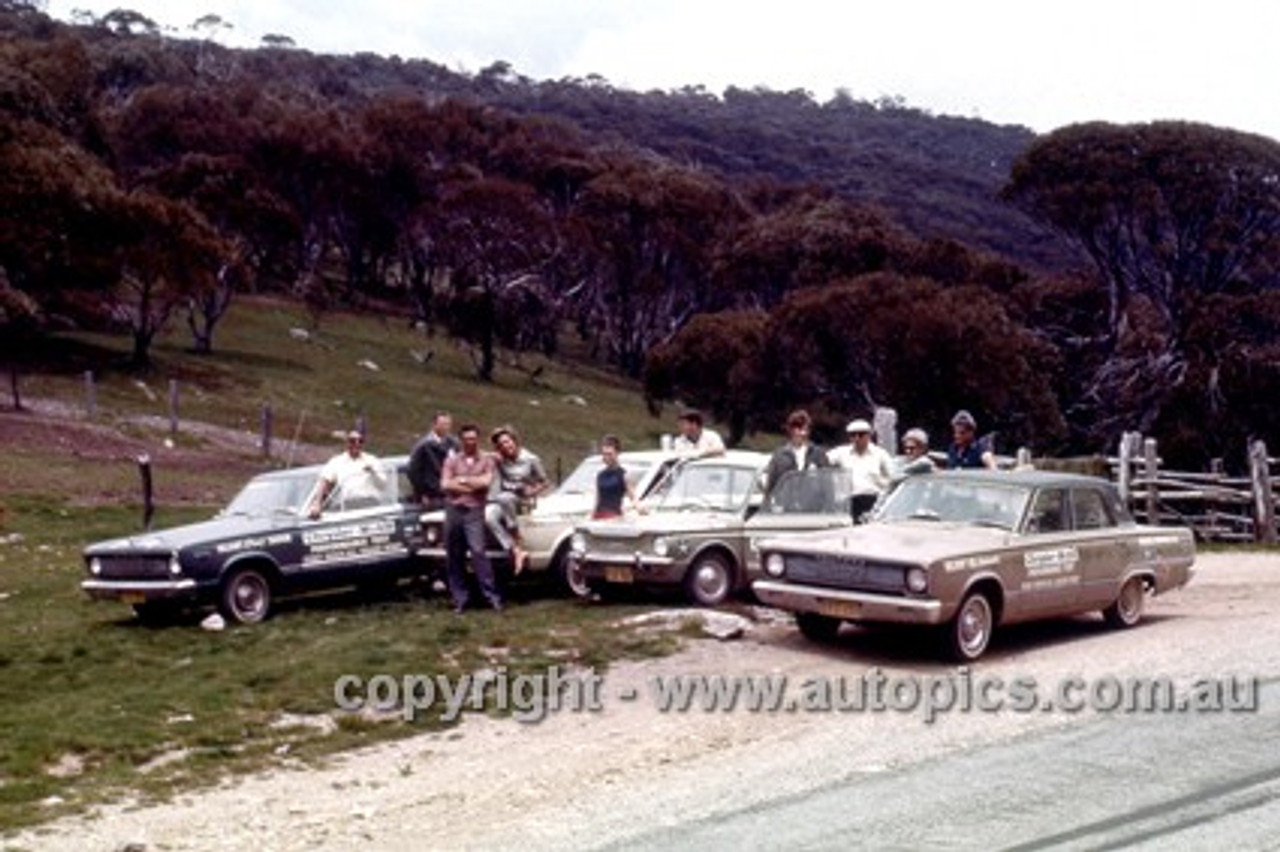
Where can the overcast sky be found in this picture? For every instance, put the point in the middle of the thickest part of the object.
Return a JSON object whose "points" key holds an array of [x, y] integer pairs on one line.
{"points": [[1038, 64]]}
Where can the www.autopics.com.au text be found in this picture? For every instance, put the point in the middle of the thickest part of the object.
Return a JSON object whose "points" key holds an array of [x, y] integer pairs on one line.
{"points": [[532, 697]]}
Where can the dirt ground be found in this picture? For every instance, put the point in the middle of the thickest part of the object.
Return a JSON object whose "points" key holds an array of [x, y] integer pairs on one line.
{"points": [[591, 779]]}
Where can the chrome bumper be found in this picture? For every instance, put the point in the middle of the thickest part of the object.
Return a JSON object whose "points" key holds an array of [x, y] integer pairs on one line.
{"points": [[139, 589], [643, 568], [848, 605]]}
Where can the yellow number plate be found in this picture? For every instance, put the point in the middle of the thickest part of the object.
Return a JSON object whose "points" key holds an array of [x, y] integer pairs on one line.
{"points": [[133, 598], [618, 574], [840, 609]]}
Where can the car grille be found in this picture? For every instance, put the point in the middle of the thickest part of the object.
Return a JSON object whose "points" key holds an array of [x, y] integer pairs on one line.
{"points": [[154, 567], [845, 573], [599, 546]]}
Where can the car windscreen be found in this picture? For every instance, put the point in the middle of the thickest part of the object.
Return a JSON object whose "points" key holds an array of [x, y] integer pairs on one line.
{"points": [[821, 490], [938, 498], [708, 486], [274, 495], [583, 478]]}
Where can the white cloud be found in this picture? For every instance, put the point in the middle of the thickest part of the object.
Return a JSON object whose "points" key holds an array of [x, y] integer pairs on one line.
{"points": [[1038, 64]]}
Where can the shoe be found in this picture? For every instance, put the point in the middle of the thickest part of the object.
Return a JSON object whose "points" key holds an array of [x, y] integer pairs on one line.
{"points": [[497, 606], [459, 608]]}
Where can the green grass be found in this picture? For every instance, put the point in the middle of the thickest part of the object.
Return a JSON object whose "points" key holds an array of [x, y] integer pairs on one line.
{"points": [[94, 705], [87, 686]]}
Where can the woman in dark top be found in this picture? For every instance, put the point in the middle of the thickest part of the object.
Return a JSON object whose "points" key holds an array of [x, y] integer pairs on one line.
{"points": [[611, 481]]}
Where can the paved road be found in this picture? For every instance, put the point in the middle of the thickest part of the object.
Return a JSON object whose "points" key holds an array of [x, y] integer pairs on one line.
{"points": [[1140, 781]]}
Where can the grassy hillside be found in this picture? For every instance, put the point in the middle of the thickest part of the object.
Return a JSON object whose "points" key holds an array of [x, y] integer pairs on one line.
{"points": [[349, 366]]}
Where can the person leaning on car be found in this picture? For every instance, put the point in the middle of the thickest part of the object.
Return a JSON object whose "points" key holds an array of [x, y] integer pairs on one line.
{"points": [[465, 478], [611, 482], [519, 478], [695, 440], [358, 474], [915, 454], [426, 460], [966, 450], [798, 453], [870, 467]]}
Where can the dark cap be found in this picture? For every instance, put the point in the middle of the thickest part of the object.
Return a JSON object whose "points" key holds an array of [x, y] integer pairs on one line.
{"points": [[693, 415]]}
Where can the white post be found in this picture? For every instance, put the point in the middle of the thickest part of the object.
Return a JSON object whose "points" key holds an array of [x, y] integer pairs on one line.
{"points": [[1264, 504]]}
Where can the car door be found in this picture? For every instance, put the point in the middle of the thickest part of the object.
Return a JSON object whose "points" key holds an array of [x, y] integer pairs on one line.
{"points": [[1104, 553], [1051, 556], [356, 540]]}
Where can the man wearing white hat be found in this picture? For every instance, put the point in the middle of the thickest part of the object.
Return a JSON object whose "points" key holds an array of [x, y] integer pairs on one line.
{"points": [[870, 465]]}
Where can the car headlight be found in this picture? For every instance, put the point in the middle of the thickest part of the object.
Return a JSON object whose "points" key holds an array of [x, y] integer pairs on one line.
{"points": [[661, 546], [578, 543], [95, 566], [432, 534], [175, 565], [775, 565], [917, 580]]}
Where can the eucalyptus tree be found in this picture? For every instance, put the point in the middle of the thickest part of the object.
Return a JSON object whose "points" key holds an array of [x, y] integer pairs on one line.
{"points": [[1167, 214]]}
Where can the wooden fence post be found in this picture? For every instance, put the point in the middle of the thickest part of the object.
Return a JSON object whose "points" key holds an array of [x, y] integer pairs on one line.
{"points": [[173, 407], [148, 506], [266, 430], [13, 387], [1150, 470], [1124, 475], [1264, 506], [90, 395]]}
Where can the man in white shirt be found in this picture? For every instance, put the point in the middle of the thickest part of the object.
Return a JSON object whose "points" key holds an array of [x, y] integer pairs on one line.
{"points": [[870, 465], [694, 440], [358, 474]]}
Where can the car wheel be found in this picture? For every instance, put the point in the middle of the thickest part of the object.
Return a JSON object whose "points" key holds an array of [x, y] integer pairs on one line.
{"points": [[1128, 607], [817, 628], [969, 632], [709, 580], [246, 597], [567, 572]]}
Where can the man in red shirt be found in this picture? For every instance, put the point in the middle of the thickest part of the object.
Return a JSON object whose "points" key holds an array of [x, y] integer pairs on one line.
{"points": [[465, 480]]}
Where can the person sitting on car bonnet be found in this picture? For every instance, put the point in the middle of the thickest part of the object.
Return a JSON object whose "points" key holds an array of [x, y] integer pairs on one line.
{"points": [[519, 478]]}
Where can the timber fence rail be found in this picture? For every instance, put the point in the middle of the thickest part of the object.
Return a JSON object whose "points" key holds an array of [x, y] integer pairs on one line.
{"points": [[1217, 506]]}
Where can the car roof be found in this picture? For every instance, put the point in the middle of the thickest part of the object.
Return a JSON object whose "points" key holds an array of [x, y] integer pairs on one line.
{"points": [[1025, 478], [746, 458]]}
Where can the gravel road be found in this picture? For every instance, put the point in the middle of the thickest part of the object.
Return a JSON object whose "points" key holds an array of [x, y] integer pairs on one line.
{"points": [[582, 780]]}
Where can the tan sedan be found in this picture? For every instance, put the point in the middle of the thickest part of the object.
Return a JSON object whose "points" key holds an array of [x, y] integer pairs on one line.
{"points": [[972, 550]]}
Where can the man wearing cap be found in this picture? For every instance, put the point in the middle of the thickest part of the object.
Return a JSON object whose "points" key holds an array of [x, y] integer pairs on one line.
{"points": [[356, 475], [966, 450], [870, 466], [695, 441]]}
